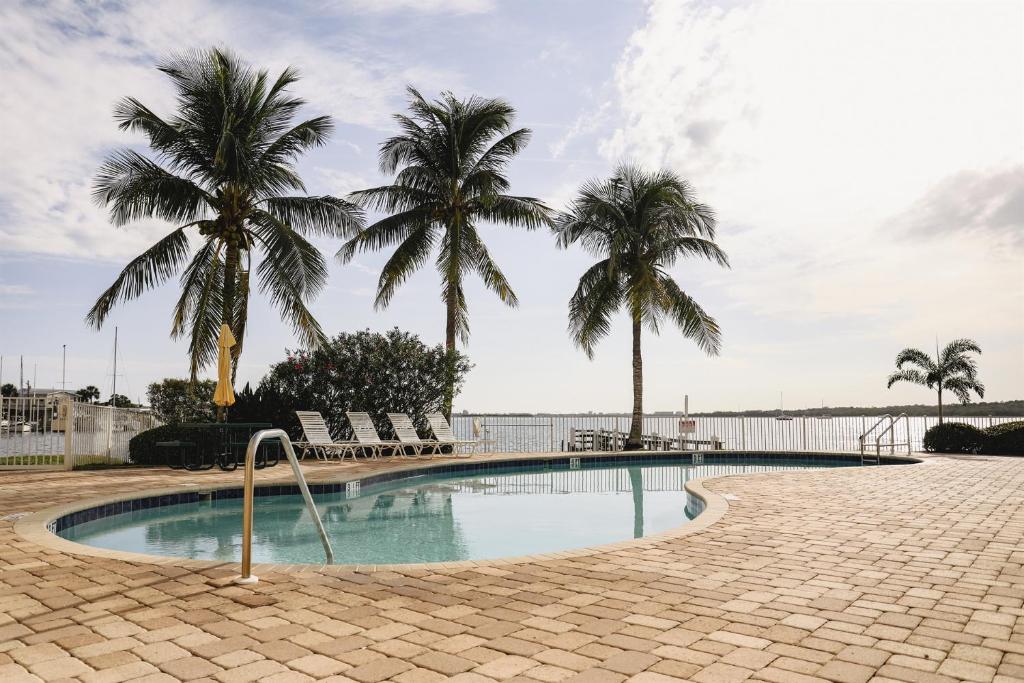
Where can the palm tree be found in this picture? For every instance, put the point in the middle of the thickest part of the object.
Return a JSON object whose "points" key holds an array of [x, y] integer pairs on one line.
{"points": [[952, 370], [89, 394], [222, 167], [450, 156], [639, 224]]}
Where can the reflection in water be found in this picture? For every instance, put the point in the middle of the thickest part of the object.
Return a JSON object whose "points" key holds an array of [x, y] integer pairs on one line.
{"points": [[428, 519], [636, 483]]}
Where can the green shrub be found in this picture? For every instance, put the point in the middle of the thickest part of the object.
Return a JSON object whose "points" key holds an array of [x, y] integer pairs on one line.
{"points": [[180, 400], [954, 437], [142, 449], [1005, 439], [372, 372]]}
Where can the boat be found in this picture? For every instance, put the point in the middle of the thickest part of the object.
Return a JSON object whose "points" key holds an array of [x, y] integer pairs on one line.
{"points": [[824, 415], [782, 417]]}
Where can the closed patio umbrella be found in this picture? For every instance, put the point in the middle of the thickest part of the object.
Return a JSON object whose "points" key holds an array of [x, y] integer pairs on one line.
{"points": [[224, 396]]}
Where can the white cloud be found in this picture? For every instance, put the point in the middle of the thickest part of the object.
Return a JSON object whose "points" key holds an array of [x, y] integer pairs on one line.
{"points": [[340, 183], [988, 204], [66, 64], [421, 6], [817, 125]]}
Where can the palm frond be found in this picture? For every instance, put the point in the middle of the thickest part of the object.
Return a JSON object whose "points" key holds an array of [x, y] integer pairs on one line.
{"points": [[393, 229], [598, 295], [693, 320], [910, 376], [146, 271], [477, 255], [323, 216], [135, 187], [957, 349], [962, 388], [410, 255], [915, 357], [285, 250]]}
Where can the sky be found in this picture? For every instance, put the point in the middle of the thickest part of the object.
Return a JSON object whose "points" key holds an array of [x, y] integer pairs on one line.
{"points": [[865, 161]]}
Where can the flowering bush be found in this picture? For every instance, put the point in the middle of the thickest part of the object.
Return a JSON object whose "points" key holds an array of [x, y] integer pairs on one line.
{"points": [[372, 372]]}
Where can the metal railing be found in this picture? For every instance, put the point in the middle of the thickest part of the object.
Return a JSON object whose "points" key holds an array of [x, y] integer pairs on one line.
{"points": [[56, 431], [247, 500], [813, 433], [889, 430]]}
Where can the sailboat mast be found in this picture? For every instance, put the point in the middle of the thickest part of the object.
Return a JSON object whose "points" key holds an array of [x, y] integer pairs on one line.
{"points": [[113, 391]]}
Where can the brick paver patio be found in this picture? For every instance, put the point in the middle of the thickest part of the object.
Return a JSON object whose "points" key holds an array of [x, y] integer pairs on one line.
{"points": [[904, 573]]}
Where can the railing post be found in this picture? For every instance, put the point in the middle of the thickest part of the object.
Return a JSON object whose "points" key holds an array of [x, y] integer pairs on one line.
{"points": [[743, 432], [110, 429], [69, 436]]}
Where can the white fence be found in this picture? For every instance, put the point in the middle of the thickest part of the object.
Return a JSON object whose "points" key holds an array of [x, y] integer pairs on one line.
{"points": [[58, 432], [544, 433]]}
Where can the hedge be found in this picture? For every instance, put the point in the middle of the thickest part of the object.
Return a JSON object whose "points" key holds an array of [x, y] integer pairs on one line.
{"points": [[1005, 439], [958, 437], [142, 448]]}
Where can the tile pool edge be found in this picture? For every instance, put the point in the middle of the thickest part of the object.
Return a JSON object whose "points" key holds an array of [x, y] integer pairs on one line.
{"points": [[39, 527]]}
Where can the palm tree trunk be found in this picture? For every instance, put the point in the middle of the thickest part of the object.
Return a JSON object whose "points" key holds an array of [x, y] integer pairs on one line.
{"points": [[451, 304], [635, 441], [940, 403], [227, 311]]}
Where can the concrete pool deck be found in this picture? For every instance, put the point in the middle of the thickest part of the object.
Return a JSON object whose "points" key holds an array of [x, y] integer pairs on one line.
{"points": [[904, 573]]}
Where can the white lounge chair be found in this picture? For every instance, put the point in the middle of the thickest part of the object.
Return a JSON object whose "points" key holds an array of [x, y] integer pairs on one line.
{"points": [[443, 433], [366, 435], [406, 432], [318, 438]]}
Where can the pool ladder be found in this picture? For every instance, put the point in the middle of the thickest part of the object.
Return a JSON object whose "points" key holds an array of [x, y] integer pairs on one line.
{"points": [[869, 458], [250, 474]]}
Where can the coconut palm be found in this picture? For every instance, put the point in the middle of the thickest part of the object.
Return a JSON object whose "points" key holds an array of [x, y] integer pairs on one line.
{"points": [[450, 157], [639, 224], [222, 168], [952, 370]]}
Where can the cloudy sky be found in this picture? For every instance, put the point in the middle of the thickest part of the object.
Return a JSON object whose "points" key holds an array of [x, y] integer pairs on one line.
{"points": [[865, 159]]}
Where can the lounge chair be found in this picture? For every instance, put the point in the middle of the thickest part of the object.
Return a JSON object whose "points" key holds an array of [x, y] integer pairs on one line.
{"points": [[318, 438], [406, 432], [367, 436], [443, 433]]}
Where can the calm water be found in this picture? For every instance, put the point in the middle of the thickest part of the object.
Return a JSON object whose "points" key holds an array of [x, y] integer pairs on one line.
{"points": [[426, 519], [837, 434]]}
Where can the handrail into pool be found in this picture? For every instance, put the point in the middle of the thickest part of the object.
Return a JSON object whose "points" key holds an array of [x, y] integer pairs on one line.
{"points": [[891, 430], [250, 474]]}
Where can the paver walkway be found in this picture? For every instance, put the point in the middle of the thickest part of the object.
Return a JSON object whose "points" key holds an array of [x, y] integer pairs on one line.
{"points": [[907, 573]]}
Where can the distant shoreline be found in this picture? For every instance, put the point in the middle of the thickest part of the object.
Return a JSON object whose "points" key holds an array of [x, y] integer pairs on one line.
{"points": [[982, 409]]}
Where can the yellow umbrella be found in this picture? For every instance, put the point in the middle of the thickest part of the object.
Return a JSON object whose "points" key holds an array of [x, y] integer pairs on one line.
{"points": [[224, 395]]}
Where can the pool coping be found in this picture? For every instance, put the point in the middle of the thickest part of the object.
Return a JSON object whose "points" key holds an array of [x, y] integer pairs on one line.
{"points": [[35, 527]]}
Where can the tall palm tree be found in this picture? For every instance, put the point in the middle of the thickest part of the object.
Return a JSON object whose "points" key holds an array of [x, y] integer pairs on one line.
{"points": [[222, 167], [952, 370], [450, 157], [639, 224]]}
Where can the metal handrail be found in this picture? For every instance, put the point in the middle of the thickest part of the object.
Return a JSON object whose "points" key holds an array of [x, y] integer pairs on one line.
{"points": [[891, 429], [863, 437], [250, 473]]}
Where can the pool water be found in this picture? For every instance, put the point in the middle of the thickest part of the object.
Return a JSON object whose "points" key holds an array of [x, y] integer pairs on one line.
{"points": [[428, 518]]}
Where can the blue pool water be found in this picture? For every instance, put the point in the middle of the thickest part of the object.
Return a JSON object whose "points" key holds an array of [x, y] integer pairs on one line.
{"points": [[427, 518]]}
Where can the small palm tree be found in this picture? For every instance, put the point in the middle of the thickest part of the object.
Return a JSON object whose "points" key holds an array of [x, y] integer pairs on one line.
{"points": [[89, 394], [639, 224], [220, 167], [450, 157], [951, 370]]}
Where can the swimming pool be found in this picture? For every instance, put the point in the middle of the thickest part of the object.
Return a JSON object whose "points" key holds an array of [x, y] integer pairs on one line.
{"points": [[469, 511]]}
